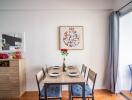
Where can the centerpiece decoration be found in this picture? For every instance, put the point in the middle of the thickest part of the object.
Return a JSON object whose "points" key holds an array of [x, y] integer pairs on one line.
{"points": [[64, 53]]}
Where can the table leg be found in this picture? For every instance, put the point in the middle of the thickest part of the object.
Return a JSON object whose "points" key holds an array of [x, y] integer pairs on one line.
{"points": [[69, 89], [83, 90], [46, 92]]}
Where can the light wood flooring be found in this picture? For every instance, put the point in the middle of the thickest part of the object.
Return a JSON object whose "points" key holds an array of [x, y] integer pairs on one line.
{"points": [[128, 94], [99, 95]]}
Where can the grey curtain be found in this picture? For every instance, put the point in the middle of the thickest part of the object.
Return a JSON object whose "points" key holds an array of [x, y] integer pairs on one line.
{"points": [[112, 68]]}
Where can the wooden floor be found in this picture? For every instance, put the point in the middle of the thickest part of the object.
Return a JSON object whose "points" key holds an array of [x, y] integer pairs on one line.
{"points": [[99, 95], [128, 94]]}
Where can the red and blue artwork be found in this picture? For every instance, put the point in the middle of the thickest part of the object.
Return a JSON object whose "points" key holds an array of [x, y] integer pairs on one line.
{"points": [[71, 37]]}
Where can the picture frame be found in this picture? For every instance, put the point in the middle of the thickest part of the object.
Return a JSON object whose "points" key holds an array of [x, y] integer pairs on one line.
{"points": [[12, 42], [71, 37]]}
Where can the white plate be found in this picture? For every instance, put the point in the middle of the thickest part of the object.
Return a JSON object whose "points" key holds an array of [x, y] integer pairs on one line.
{"points": [[73, 74], [56, 67], [71, 67], [54, 74]]}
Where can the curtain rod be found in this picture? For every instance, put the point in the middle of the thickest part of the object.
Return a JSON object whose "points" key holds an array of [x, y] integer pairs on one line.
{"points": [[124, 6]]}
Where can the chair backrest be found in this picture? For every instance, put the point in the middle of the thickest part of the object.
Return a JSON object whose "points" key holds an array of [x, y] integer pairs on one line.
{"points": [[91, 76], [39, 77], [83, 70], [46, 68], [44, 72]]}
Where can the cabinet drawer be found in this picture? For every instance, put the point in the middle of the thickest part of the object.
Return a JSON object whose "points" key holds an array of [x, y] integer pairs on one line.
{"points": [[14, 63], [4, 82], [4, 70]]}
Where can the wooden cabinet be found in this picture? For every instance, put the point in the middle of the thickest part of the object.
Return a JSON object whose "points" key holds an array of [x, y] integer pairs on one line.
{"points": [[12, 78]]}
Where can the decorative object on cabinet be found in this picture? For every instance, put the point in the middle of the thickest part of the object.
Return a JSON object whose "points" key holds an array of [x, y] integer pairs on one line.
{"points": [[12, 78], [4, 63], [4, 55], [11, 42], [18, 55], [15, 55], [71, 37]]}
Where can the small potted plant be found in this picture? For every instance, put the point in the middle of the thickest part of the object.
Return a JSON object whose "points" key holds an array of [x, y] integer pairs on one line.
{"points": [[64, 53]]}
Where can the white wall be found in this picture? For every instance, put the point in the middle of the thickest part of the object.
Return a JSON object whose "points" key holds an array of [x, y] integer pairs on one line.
{"points": [[125, 51], [56, 4], [41, 30], [119, 3]]}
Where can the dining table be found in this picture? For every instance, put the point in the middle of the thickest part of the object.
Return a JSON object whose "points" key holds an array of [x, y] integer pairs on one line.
{"points": [[64, 78]]}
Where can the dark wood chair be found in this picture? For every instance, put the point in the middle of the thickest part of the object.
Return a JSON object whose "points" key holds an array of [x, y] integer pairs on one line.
{"points": [[53, 91], [76, 90]]}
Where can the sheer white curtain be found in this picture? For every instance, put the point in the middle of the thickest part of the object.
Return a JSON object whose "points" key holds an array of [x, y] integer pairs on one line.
{"points": [[122, 69]]}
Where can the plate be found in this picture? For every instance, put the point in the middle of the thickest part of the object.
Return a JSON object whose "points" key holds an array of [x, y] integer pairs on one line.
{"points": [[54, 74], [70, 67], [56, 67], [73, 74]]}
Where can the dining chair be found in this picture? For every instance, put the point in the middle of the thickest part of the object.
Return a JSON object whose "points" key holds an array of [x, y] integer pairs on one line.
{"points": [[83, 70], [76, 90], [53, 91]]}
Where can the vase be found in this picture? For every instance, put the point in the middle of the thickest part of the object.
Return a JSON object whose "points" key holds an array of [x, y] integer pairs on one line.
{"points": [[64, 65]]}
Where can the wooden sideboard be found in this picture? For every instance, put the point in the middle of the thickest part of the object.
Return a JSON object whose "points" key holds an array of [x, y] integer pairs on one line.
{"points": [[12, 78]]}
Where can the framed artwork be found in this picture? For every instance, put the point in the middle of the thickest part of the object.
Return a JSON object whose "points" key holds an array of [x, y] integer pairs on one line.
{"points": [[11, 42], [71, 37]]}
